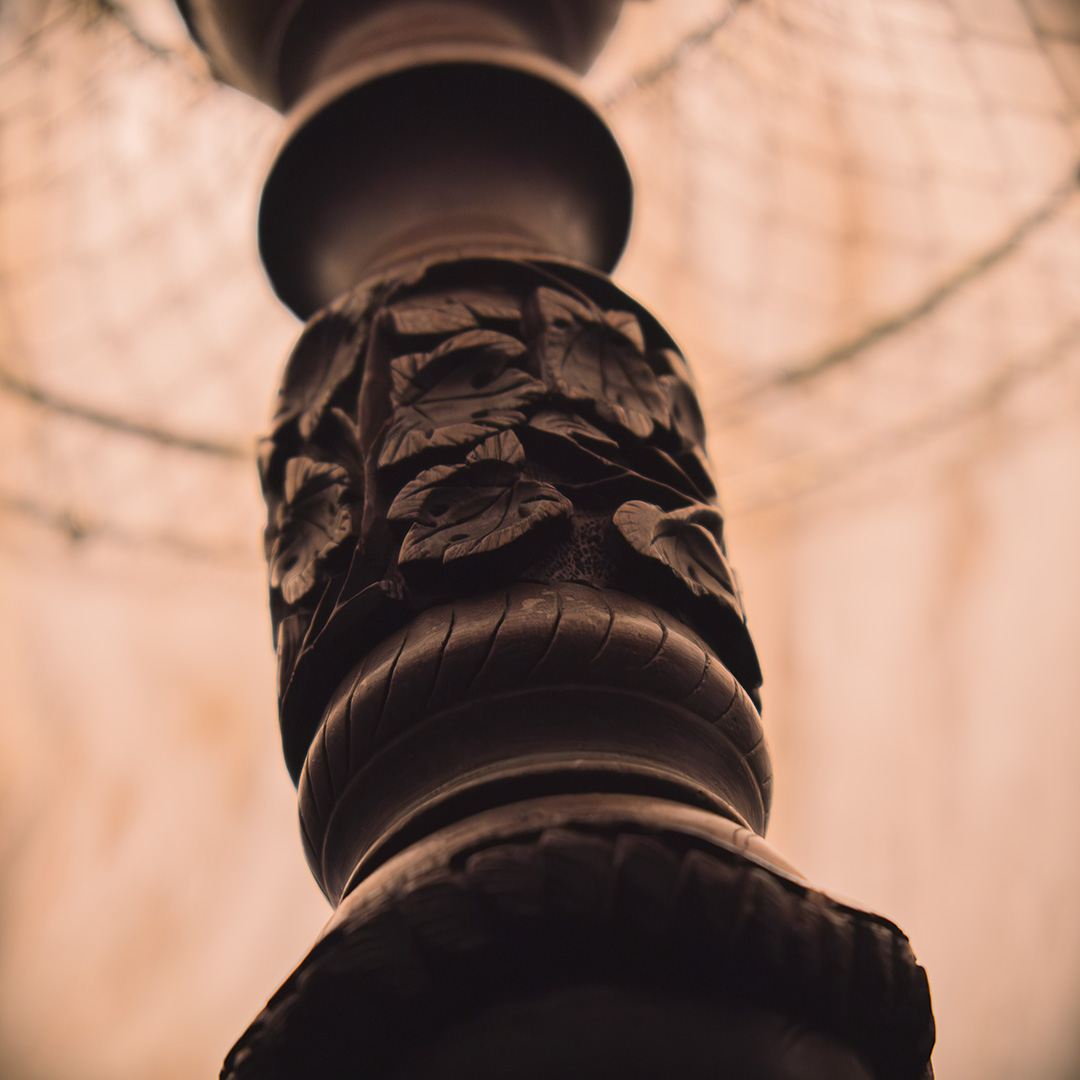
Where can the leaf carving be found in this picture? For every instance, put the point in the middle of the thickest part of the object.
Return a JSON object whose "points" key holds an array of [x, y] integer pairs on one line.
{"points": [[438, 314], [409, 504], [569, 426], [686, 541], [461, 511], [473, 520], [328, 352], [457, 395], [603, 477], [588, 355], [503, 449], [339, 437], [414, 373], [679, 389], [695, 465], [313, 521], [679, 552], [684, 413], [688, 473], [672, 362], [626, 324]]}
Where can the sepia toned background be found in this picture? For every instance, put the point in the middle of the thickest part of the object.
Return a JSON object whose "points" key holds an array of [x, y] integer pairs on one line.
{"points": [[861, 218]]}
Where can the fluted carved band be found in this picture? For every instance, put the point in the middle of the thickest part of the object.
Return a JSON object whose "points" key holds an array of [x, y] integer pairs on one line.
{"points": [[533, 677]]}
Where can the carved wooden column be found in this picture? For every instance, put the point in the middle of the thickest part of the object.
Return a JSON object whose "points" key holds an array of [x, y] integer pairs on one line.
{"points": [[517, 690]]}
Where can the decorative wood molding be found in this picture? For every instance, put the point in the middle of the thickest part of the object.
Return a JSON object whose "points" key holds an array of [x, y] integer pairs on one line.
{"points": [[517, 690], [626, 899]]}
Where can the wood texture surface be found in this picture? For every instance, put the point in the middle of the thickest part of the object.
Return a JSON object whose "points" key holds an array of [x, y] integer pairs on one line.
{"points": [[610, 903], [468, 425], [501, 593]]}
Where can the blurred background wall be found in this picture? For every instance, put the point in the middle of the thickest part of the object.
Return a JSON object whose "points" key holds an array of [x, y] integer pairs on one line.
{"points": [[862, 221]]}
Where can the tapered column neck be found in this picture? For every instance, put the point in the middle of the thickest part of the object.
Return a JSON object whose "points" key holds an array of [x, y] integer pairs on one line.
{"points": [[422, 127], [428, 151]]}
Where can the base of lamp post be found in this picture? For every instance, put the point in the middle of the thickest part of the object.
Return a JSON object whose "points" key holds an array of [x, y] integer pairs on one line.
{"points": [[595, 937]]}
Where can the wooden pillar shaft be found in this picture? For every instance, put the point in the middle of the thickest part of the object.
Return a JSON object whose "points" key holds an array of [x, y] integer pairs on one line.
{"points": [[517, 690]]}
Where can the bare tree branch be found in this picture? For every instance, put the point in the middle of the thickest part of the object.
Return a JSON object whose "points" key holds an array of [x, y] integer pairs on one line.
{"points": [[929, 302], [696, 39], [123, 425]]}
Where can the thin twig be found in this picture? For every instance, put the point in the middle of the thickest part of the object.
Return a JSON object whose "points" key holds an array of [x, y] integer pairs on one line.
{"points": [[696, 39], [119, 14], [78, 527], [123, 425], [807, 475], [847, 351]]}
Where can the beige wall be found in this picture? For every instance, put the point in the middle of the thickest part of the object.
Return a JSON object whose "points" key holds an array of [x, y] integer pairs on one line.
{"points": [[861, 222]]}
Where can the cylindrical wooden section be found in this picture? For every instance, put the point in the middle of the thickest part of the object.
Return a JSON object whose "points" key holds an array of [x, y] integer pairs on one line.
{"points": [[517, 689], [521, 702], [495, 562]]}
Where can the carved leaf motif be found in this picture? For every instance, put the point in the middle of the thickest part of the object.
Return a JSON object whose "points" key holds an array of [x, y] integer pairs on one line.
{"points": [[680, 390], [568, 426], [328, 352], [409, 504], [686, 541], [414, 373], [450, 312], [688, 473], [461, 393], [685, 418], [503, 449], [565, 444], [464, 510], [588, 355], [627, 325], [695, 465], [672, 362], [313, 521], [340, 438], [469, 521], [679, 555]]}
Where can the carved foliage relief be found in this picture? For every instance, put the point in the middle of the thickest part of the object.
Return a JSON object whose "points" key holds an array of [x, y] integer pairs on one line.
{"points": [[472, 423]]}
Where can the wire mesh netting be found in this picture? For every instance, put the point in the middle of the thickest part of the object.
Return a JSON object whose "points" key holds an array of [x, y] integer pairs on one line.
{"points": [[862, 222]]}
